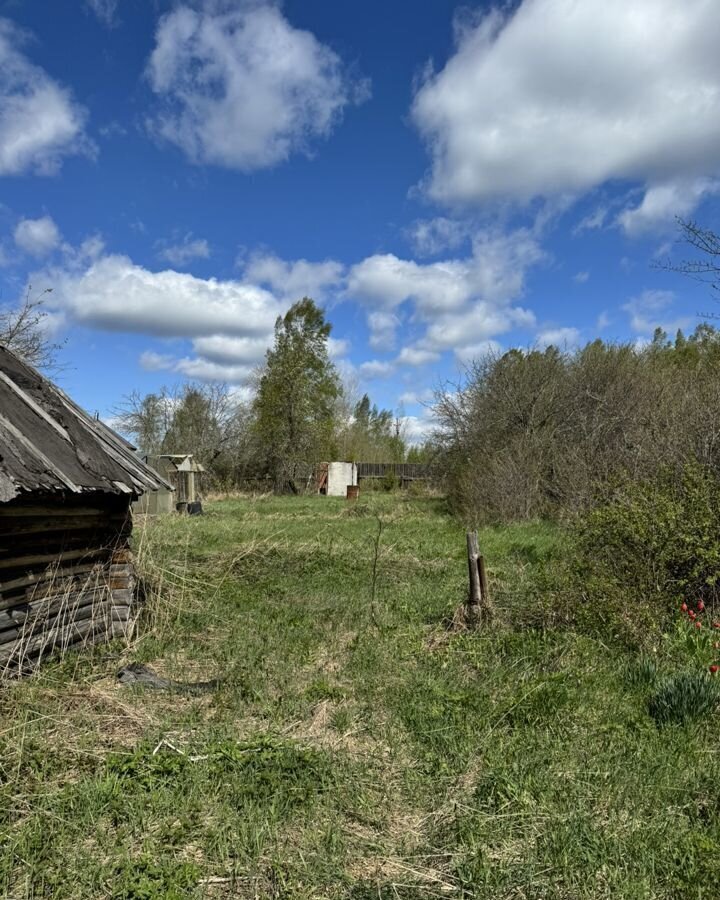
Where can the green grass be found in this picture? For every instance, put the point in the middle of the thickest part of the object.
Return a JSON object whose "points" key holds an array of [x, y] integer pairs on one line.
{"points": [[357, 749]]}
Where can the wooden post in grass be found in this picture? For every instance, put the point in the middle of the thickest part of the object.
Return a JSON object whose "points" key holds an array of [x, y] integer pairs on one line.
{"points": [[478, 605], [474, 596]]}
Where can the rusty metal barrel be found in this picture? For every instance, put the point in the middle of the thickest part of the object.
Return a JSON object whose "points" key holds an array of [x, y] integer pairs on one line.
{"points": [[353, 492]]}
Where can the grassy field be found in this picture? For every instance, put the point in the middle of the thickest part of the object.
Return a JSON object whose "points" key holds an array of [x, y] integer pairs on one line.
{"points": [[356, 748]]}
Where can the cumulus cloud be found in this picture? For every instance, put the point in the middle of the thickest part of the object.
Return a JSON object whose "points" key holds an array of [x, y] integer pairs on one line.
{"points": [[418, 429], [295, 279], [650, 310], [663, 203], [38, 237], [553, 96], [186, 251], [416, 397], [116, 294], [383, 328], [469, 354], [558, 337], [433, 236], [375, 368], [417, 356], [229, 323], [240, 87], [40, 121], [461, 301]]}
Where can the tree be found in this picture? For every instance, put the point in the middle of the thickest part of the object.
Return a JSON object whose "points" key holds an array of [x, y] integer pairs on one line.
{"points": [[24, 330], [297, 394], [202, 419], [706, 266]]}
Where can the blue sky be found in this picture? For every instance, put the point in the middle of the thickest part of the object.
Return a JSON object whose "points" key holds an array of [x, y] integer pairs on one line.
{"points": [[443, 178]]}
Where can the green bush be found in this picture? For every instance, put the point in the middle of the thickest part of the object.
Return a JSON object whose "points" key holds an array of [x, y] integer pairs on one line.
{"points": [[681, 698], [646, 548]]}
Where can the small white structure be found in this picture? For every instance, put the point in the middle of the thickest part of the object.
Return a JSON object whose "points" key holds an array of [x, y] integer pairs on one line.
{"points": [[339, 476]]}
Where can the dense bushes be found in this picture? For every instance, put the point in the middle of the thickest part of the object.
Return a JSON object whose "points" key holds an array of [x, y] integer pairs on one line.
{"points": [[648, 547], [542, 433]]}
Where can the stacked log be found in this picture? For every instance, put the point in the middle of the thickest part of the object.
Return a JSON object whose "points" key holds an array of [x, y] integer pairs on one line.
{"points": [[66, 574]]}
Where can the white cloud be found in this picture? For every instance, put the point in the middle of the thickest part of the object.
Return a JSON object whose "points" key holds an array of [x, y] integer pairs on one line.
{"points": [[417, 356], [38, 237], [383, 328], [416, 397], [603, 321], [116, 294], [418, 429], [581, 277], [294, 280], [662, 204], [337, 347], [433, 236], [187, 250], [469, 354], [40, 121], [105, 10], [233, 351], [230, 323], [557, 96], [156, 362], [242, 88], [375, 368], [649, 309], [461, 301], [558, 337]]}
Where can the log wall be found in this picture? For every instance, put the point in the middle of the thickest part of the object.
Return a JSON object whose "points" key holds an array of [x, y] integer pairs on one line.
{"points": [[66, 574]]}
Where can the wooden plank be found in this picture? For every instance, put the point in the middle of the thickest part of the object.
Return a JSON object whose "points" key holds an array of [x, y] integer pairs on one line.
{"points": [[34, 578], [484, 590], [49, 558], [101, 521], [39, 455], [9, 511], [42, 610], [49, 642], [38, 410]]}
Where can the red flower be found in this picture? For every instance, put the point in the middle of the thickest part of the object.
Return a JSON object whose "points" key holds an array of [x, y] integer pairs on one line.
{"points": [[698, 624], [684, 607], [714, 669], [716, 624], [701, 605], [692, 614]]}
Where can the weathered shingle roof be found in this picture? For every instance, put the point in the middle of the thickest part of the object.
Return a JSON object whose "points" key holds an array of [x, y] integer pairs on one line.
{"points": [[48, 443]]}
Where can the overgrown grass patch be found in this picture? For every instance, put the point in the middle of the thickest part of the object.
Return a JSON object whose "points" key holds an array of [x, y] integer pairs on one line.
{"points": [[355, 747]]}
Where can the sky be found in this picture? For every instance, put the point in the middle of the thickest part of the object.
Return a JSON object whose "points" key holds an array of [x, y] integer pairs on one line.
{"points": [[444, 179]]}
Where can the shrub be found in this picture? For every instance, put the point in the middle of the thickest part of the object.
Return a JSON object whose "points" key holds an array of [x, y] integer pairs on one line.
{"points": [[648, 547], [681, 698]]}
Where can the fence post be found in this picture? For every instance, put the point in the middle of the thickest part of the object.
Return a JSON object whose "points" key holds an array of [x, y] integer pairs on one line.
{"points": [[474, 595], [478, 605]]}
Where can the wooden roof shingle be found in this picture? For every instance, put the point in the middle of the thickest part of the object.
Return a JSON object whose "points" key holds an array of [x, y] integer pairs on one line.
{"points": [[49, 444]]}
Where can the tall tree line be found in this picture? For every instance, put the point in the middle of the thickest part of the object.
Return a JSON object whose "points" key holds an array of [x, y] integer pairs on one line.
{"points": [[301, 414], [542, 433]]}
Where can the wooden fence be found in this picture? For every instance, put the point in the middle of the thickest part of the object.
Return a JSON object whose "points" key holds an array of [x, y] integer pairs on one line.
{"points": [[405, 473]]}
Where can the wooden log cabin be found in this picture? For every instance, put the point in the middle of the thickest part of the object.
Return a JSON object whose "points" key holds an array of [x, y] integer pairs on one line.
{"points": [[67, 482]]}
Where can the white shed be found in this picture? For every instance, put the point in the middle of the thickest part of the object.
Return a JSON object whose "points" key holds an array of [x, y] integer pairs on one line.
{"points": [[339, 476]]}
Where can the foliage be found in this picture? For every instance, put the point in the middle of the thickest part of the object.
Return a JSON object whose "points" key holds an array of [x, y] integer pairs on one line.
{"points": [[371, 434], [535, 434], [297, 390], [648, 547], [25, 330], [682, 697]]}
